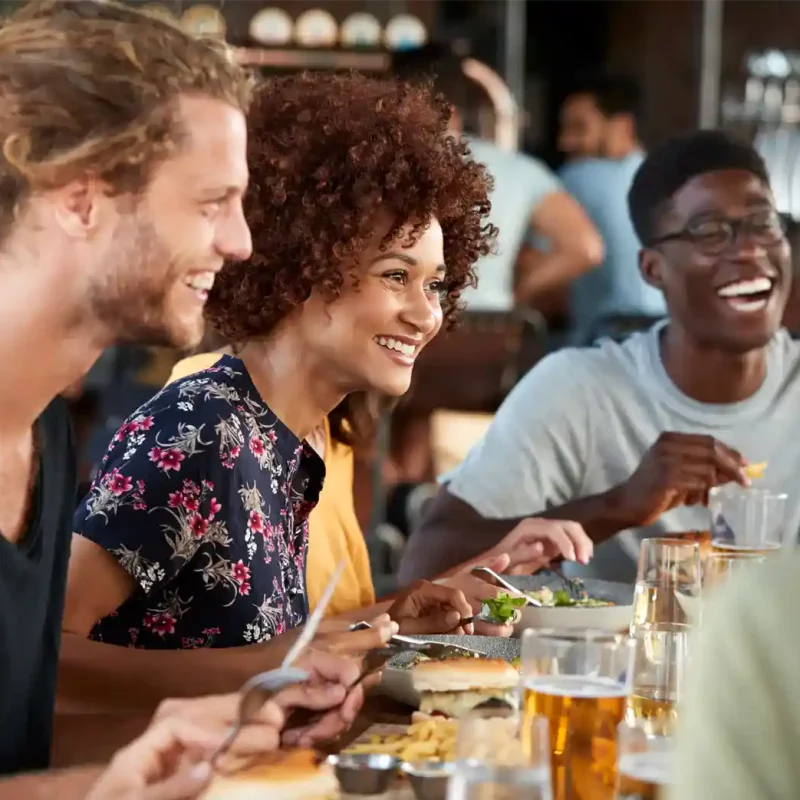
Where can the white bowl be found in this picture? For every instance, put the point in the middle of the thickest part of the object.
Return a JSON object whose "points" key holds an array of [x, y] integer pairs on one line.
{"points": [[612, 618]]}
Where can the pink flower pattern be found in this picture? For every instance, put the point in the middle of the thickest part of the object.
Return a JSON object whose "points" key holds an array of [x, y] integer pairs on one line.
{"points": [[203, 497]]}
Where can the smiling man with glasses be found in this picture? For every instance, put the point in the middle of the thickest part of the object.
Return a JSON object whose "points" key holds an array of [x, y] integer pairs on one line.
{"points": [[628, 438]]}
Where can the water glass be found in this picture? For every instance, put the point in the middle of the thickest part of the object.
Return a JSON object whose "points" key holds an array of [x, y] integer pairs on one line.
{"points": [[660, 661], [501, 755], [670, 569], [747, 519]]}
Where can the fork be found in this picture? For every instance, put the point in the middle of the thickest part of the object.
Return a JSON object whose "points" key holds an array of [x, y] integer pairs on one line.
{"points": [[426, 646], [501, 581], [254, 695], [575, 586]]}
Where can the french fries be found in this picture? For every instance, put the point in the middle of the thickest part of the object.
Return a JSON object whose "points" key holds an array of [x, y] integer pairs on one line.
{"points": [[427, 740], [755, 471]]}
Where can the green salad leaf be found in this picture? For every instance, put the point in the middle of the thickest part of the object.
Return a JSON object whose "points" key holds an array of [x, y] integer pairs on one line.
{"points": [[563, 598], [503, 607]]}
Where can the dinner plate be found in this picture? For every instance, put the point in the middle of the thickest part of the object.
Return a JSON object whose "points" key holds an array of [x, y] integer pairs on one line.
{"points": [[397, 682], [614, 618]]}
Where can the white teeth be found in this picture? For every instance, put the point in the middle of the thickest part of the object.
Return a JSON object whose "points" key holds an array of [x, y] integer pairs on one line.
{"points": [[393, 344], [743, 288], [200, 281], [748, 306]]}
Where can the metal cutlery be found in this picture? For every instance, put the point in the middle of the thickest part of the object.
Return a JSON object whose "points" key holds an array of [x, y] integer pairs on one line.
{"points": [[575, 586], [501, 581], [253, 695]]}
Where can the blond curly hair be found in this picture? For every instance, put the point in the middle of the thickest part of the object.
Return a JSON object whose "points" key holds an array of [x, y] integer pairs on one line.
{"points": [[90, 87]]}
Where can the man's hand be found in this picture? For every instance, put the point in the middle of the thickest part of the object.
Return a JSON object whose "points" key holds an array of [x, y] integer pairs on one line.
{"points": [[170, 760], [426, 607], [331, 691], [678, 470], [535, 542]]}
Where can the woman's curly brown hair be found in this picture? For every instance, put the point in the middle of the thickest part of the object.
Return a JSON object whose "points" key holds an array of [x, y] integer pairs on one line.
{"points": [[330, 156]]}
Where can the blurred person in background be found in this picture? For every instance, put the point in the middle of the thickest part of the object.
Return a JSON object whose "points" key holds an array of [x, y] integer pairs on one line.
{"points": [[627, 438], [791, 318], [527, 198], [599, 137]]}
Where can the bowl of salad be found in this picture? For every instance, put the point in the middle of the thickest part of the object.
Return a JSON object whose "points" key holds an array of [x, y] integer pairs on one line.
{"points": [[589, 603]]}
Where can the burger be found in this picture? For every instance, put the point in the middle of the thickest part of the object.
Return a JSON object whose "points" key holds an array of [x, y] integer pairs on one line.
{"points": [[288, 775], [454, 687]]}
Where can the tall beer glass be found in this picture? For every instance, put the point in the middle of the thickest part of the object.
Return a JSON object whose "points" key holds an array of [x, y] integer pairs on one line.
{"points": [[645, 764], [669, 567], [578, 681], [751, 520], [501, 755], [658, 674]]}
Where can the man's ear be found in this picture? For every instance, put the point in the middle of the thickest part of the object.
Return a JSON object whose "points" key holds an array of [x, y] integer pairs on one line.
{"points": [[651, 265], [79, 206]]}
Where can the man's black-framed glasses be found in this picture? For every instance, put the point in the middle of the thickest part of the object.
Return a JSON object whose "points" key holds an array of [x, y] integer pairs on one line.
{"points": [[714, 235]]}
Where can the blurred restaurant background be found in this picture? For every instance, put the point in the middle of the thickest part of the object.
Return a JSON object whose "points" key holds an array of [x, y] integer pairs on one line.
{"points": [[706, 63]]}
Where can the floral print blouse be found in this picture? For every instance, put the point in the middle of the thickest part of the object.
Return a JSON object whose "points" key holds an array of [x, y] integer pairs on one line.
{"points": [[203, 497]]}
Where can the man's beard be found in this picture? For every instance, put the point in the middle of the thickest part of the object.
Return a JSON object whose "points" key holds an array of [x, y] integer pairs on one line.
{"points": [[130, 298]]}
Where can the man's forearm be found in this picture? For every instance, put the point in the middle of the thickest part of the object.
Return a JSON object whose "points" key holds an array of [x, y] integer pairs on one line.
{"points": [[71, 784], [98, 677], [539, 272], [453, 534], [601, 515]]}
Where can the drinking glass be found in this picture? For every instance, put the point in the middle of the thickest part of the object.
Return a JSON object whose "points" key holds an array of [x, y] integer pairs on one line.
{"points": [[578, 681], [645, 764], [753, 520], [501, 755], [670, 569], [722, 565], [660, 660]]}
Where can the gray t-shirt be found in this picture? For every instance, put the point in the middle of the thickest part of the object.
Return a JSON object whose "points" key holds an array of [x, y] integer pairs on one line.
{"points": [[582, 419]]}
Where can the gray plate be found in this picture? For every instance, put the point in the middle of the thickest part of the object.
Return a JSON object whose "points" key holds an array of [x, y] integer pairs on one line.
{"points": [[489, 646]]}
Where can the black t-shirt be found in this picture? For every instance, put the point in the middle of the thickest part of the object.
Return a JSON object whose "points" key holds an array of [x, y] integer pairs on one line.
{"points": [[33, 575]]}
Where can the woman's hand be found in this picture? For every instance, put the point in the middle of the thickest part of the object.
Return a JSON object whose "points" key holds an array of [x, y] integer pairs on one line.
{"points": [[475, 589], [426, 607]]}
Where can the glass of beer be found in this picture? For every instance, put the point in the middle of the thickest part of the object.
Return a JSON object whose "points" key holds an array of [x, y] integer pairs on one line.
{"points": [[751, 519], [722, 565], [660, 661], [670, 570], [501, 755], [579, 681], [645, 764]]}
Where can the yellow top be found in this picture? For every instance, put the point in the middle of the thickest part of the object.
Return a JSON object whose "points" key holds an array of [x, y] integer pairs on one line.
{"points": [[334, 532]]}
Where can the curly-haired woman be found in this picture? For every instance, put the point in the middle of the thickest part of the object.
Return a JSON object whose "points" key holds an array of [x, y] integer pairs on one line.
{"points": [[366, 221]]}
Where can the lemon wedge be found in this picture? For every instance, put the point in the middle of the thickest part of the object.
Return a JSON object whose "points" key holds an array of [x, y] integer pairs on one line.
{"points": [[755, 471]]}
